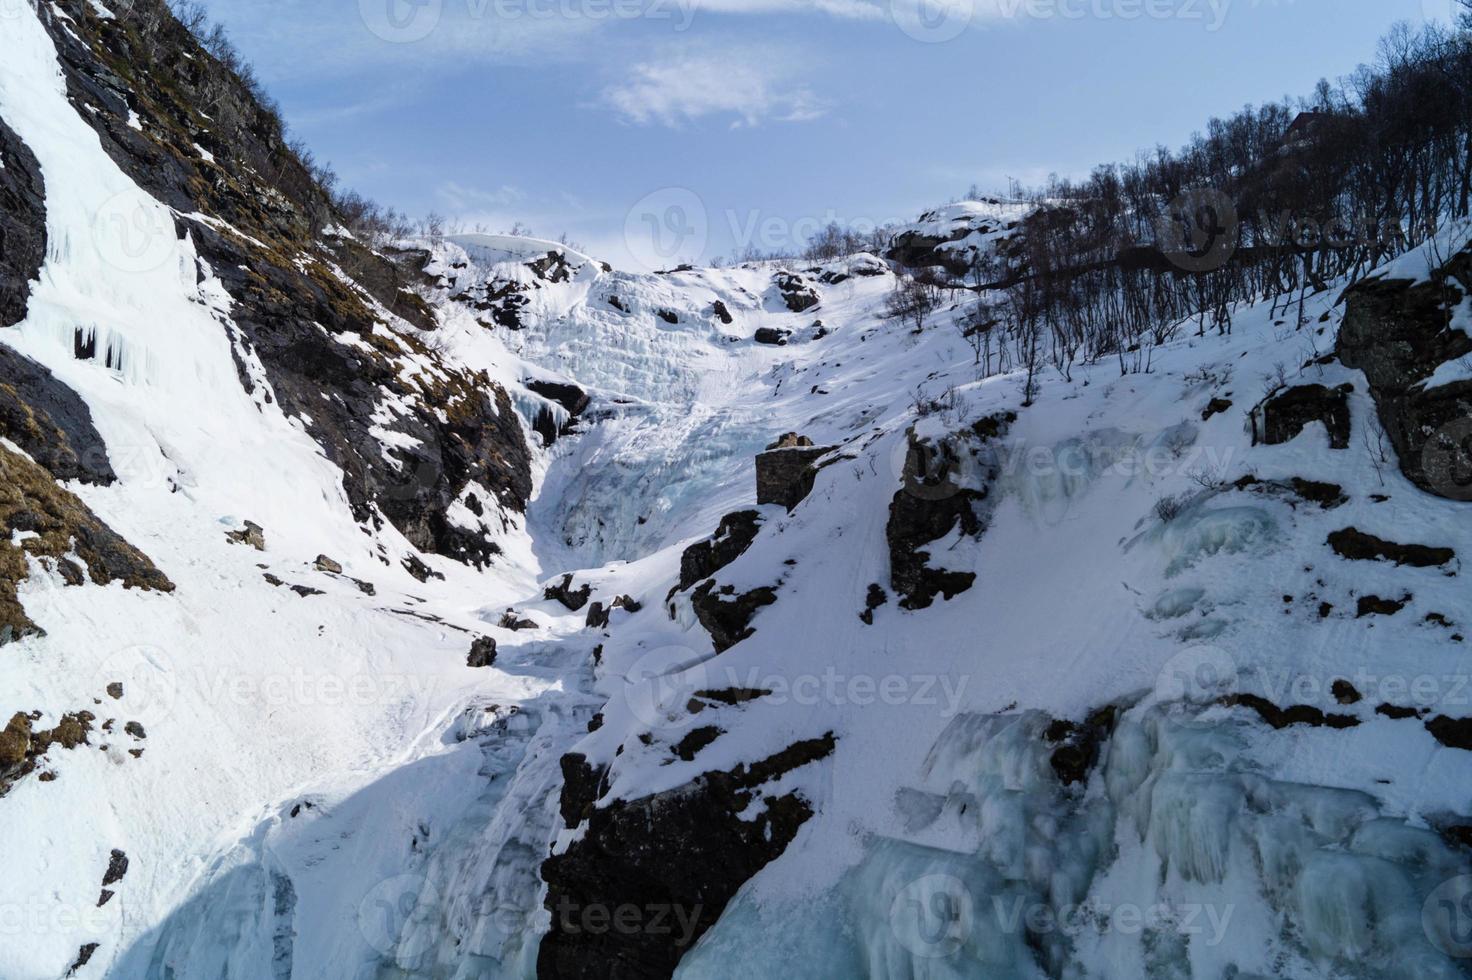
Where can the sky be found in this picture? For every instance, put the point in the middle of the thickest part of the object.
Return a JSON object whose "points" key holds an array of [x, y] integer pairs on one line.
{"points": [[654, 132]]}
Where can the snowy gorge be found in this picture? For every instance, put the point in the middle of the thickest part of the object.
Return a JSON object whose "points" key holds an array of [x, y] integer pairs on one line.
{"points": [[1112, 684]]}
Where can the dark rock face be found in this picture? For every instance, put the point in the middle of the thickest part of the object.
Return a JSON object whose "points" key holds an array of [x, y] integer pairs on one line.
{"points": [[563, 592], [22, 750], [1396, 332], [1298, 714], [1356, 545], [704, 558], [797, 292], [934, 500], [667, 863], [1454, 733], [482, 653], [726, 615], [1284, 415], [32, 503], [719, 310], [1078, 745], [117, 868], [785, 472], [50, 422], [290, 300], [1373, 605], [569, 396], [22, 225], [772, 336]]}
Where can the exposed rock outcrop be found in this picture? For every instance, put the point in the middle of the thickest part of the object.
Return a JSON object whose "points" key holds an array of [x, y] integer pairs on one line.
{"points": [[22, 225], [797, 292], [1356, 545], [1284, 414], [1397, 333], [296, 297], [573, 400], [704, 558], [482, 653], [41, 521], [679, 855], [727, 615], [563, 592], [46, 418], [785, 472], [945, 483]]}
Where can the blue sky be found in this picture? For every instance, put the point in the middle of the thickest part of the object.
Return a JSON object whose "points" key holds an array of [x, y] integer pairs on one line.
{"points": [[750, 121]]}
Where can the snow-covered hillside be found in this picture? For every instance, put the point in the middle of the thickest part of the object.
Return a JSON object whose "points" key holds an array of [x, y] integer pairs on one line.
{"points": [[1162, 674]]}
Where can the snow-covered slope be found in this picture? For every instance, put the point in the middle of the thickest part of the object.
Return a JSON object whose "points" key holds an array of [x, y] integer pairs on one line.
{"points": [[1143, 703]]}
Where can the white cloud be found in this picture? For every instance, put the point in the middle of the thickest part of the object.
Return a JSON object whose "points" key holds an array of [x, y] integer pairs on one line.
{"points": [[460, 198], [749, 86]]}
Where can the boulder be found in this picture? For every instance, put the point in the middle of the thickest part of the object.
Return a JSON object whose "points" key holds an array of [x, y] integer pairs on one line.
{"points": [[772, 336], [797, 292], [785, 472], [482, 652], [251, 534], [563, 592]]}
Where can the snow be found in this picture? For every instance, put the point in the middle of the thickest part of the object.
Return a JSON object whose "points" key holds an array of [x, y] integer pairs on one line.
{"points": [[326, 789]]}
